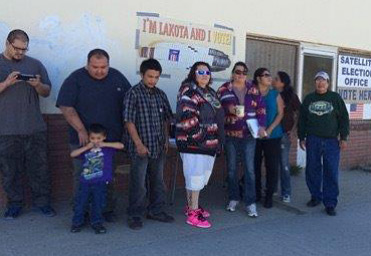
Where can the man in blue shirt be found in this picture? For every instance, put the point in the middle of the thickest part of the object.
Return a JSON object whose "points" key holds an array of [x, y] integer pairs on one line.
{"points": [[94, 94]]}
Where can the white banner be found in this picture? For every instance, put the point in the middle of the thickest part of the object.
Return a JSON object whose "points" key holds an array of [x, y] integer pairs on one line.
{"points": [[354, 72], [354, 85], [178, 44]]}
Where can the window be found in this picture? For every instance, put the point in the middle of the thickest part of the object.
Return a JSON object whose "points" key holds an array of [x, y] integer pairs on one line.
{"points": [[314, 58], [313, 64]]}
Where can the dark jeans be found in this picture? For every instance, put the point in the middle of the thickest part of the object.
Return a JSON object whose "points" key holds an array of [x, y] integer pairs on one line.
{"points": [[25, 153], [271, 150], [285, 166], [97, 195], [140, 168], [322, 170], [110, 197], [235, 147]]}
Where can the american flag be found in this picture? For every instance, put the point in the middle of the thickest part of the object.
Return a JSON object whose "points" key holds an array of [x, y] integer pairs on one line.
{"points": [[356, 111]]}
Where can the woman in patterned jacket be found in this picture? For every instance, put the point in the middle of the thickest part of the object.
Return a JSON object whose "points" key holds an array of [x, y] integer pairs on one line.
{"points": [[198, 136]]}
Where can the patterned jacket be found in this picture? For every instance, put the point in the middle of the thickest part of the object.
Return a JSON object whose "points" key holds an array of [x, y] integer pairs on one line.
{"points": [[199, 120], [254, 108]]}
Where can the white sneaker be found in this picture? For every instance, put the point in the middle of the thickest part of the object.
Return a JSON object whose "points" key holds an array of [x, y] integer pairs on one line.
{"points": [[251, 210], [232, 205], [286, 199]]}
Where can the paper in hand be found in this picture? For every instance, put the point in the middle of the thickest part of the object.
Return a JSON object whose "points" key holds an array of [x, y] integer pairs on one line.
{"points": [[253, 126]]}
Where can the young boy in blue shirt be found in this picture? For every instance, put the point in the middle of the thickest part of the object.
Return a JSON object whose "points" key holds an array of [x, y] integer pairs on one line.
{"points": [[97, 157]]}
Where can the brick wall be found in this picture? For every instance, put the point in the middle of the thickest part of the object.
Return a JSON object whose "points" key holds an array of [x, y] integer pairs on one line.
{"points": [[61, 166], [359, 145]]}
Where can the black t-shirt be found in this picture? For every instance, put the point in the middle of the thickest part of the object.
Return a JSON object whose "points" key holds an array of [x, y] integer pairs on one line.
{"points": [[95, 101]]}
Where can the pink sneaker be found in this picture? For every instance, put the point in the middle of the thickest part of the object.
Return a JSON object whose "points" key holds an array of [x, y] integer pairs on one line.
{"points": [[205, 213], [196, 219]]}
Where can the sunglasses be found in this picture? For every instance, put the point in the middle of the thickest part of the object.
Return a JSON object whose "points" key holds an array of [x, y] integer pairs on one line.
{"points": [[19, 49], [240, 72], [203, 72], [265, 75]]}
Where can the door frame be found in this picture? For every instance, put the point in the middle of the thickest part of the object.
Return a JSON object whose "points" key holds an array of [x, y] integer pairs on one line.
{"points": [[318, 51]]}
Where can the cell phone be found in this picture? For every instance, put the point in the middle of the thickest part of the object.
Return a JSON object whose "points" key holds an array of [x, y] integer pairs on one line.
{"points": [[25, 77]]}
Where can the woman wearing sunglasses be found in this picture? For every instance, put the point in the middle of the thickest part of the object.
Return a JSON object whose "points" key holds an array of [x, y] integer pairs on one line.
{"points": [[282, 83], [198, 136], [270, 146], [241, 100]]}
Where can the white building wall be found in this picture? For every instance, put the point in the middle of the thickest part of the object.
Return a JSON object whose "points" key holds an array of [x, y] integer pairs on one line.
{"points": [[63, 32]]}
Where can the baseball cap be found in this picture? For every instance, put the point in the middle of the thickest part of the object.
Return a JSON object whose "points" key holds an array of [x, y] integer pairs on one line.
{"points": [[322, 74]]}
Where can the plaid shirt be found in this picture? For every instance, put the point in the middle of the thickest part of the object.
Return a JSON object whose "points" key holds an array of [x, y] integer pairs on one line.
{"points": [[148, 109]]}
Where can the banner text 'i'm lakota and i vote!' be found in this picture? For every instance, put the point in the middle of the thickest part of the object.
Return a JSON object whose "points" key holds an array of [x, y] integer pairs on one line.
{"points": [[169, 29]]}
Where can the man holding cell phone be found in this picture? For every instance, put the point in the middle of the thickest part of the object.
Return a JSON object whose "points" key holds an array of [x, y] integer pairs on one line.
{"points": [[23, 145]]}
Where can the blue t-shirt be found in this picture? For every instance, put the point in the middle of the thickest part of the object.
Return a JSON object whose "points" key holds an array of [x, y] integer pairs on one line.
{"points": [[95, 101], [97, 165], [272, 110]]}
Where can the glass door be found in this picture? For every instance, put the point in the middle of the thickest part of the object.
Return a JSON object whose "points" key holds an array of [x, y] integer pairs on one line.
{"points": [[313, 64]]}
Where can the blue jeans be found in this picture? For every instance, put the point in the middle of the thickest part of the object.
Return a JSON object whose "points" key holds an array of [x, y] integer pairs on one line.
{"points": [[285, 166], [97, 193], [322, 170], [140, 168], [246, 149]]}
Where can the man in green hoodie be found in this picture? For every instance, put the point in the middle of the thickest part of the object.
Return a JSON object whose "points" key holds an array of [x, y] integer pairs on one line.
{"points": [[323, 131]]}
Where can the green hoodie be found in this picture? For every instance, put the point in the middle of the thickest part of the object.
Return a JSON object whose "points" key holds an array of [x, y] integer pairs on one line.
{"points": [[324, 115]]}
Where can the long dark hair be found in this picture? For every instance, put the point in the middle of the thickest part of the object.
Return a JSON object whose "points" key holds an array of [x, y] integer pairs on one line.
{"points": [[192, 73], [287, 91], [258, 73]]}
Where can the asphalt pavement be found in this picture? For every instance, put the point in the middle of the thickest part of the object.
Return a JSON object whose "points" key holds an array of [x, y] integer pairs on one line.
{"points": [[286, 229]]}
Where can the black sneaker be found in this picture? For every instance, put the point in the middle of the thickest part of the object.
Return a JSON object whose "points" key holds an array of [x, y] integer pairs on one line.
{"points": [[135, 223], [313, 202], [109, 217], [86, 219], [258, 197], [331, 211], [76, 228], [162, 217], [47, 211], [99, 229], [268, 203], [12, 212]]}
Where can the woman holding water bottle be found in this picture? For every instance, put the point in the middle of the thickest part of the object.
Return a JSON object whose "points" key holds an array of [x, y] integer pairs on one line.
{"points": [[241, 101]]}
